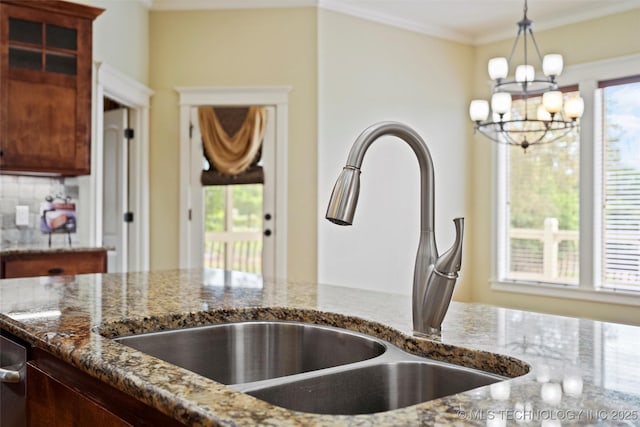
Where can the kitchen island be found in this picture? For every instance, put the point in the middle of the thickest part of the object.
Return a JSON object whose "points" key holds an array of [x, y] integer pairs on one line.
{"points": [[593, 364]]}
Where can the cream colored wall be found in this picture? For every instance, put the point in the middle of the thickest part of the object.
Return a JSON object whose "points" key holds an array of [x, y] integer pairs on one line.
{"points": [[121, 37], [368, 73], [267, 47], [609, 37]]}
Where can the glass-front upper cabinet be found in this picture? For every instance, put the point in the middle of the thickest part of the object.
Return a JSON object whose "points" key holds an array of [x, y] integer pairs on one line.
{"points": [[42, 46], [45, 87]]}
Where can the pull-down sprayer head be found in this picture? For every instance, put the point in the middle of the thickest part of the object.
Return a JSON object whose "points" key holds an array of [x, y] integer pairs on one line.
{"points": [[344, 197]]}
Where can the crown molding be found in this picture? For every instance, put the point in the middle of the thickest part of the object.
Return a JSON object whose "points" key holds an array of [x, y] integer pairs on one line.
{"points": [[228, 4], [560, 21], [407, 24]]}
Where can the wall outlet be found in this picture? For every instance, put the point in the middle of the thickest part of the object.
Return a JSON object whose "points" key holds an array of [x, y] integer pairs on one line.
{"points": [[22, 215]]}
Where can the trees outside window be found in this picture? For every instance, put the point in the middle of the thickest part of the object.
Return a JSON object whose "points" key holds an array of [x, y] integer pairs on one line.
{"points": [[541, 192]]}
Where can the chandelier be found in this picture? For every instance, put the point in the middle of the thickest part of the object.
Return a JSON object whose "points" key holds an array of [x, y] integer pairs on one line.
{"points": [[554, 116]]}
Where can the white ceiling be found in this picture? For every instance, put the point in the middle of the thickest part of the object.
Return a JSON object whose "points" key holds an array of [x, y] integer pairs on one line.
{"points": [[466, 21]]}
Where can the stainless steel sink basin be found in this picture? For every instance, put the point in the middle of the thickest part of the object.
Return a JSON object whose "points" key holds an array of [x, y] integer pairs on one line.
{"points": [[244, 352], [375, 388], [310, 368]]}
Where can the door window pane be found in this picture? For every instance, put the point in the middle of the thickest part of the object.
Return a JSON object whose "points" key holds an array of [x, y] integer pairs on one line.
{"points": [[542, 207], [233, 227]]}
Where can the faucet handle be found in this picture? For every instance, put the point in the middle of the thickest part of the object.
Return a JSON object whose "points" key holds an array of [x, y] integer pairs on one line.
{"points": [[450, 262]]}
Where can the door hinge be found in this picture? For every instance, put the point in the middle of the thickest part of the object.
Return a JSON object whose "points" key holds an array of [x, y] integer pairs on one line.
{"points": [[128, 133], [189, 214], [128, 217], [190, 130]]}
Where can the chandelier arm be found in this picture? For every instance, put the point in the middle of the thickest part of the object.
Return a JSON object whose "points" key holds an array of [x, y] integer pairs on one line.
{"points": [[524, 38], [501, 132], [515, 44], [535, 44]]}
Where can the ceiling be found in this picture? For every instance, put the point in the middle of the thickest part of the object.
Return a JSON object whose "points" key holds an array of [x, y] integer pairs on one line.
{"points": [[466, 21]]}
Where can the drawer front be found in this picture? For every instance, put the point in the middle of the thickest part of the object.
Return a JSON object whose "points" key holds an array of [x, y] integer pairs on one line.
{"points": [[54, 264]]}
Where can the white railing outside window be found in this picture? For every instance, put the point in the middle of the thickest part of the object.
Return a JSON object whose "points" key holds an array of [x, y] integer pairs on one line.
{"points": [[544, 255], [240, 251]]}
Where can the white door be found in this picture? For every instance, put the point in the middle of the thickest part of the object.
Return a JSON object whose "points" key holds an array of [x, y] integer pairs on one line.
{"points": [[115, 189], [232, 241]]}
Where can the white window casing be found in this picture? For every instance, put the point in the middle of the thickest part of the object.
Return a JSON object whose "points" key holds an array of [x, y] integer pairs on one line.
{"points": [[590, 288]]}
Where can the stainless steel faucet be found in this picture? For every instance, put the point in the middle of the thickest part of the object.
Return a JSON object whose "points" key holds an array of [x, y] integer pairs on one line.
{"points": [[434, 277]]}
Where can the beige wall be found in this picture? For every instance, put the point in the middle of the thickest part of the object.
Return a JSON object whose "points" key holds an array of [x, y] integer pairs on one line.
{"points": [[369, 73], [609, 37], [268, 47], [121, 37]]}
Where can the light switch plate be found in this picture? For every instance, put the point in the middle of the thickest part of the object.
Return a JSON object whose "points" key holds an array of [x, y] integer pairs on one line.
{"points": [[22, 215]]}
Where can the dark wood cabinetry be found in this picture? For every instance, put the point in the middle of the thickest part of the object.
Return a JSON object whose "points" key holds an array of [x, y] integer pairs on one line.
{"points": [[53, 263], [45, 87], [60, 395]]}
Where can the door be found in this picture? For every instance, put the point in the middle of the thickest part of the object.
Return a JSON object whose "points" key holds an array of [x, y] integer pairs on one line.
{"points": [[233, 225], [115, 189]]}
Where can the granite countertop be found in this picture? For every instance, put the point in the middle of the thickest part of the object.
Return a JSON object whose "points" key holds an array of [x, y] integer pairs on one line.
{"points": [[65, 316], [44, 249]]}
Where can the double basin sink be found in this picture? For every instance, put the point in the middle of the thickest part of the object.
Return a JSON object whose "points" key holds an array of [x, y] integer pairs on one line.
{"points": [[310, 368]]}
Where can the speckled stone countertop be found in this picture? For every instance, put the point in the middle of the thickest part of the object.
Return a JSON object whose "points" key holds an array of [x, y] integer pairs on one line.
{"points": [[43, 249], [69, 316]]}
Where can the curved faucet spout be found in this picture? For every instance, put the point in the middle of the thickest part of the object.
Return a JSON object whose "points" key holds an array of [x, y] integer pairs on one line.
{"points": [[342, 206], [351, 173]]}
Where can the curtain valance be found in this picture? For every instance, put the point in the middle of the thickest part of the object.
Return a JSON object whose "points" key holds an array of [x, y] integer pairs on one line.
{"points": [[232, 145]]}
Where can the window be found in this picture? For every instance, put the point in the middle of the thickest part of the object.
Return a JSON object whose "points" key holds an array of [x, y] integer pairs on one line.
{"points": [[568, 213], [542, 207], [620, 118]]}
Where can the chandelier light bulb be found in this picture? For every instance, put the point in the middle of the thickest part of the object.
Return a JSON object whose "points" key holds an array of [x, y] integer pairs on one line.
{"points": [[501, 102], [525, 73], [552, 101], [543, 114], [498, 68], [552, 65], [479, 110], [574, 107]]}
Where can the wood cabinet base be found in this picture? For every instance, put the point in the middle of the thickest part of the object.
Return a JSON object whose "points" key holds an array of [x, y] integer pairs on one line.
{"points": [[60, 395]]}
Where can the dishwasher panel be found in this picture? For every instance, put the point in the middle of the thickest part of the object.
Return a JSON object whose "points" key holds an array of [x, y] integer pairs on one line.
{"points": [[13, 369]]}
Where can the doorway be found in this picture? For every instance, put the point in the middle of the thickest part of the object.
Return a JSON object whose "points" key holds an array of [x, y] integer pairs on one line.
{"points": [[112, 85], [115, 179], [233, 223], [191, 226]]}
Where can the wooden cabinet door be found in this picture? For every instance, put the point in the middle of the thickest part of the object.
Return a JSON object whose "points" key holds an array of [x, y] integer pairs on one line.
{"points": [[45, 87], [54, 403], [60, 395]]}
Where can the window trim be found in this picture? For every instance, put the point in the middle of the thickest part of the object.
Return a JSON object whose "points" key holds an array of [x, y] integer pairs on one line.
{"points": [[586, 76]]}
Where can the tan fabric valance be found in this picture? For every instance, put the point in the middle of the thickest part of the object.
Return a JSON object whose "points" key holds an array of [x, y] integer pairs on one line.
{"points": [[232, 154]]}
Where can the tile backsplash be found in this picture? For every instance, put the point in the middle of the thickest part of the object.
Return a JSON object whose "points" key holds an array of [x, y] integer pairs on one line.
{"points": [[31, 192]]}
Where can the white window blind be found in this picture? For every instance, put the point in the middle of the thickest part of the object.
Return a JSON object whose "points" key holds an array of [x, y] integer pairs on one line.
{"points": [[621, 183]]}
